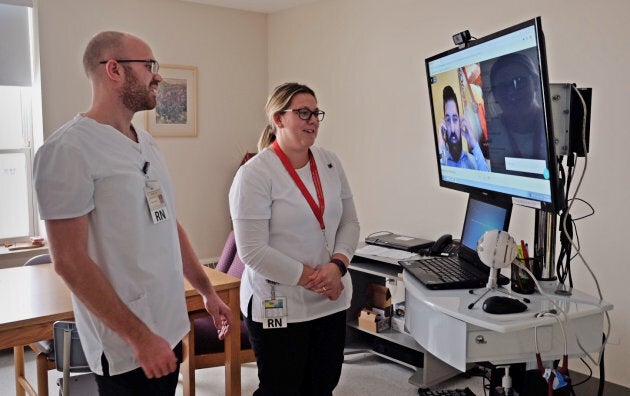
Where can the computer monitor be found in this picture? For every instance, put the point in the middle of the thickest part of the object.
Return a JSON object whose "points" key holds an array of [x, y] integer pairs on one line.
{"points": [[484, 215], [491, 117]]}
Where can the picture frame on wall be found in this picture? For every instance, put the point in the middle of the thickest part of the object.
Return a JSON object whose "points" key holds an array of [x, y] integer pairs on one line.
{"points": [[176, 112]]}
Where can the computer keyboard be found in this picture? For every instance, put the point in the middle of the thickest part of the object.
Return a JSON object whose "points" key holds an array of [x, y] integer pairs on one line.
{"points": [[446, 392], [451, 249], [447, 268]]}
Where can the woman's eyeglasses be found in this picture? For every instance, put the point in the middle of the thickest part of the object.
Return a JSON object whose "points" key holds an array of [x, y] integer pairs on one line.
{"points": [[305, 114]]}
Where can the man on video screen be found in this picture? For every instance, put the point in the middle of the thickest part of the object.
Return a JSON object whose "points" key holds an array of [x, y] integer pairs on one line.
{"points": [[452, 128]]}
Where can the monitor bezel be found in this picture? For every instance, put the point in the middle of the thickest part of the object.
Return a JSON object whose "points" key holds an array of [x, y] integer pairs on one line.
{"points": [[555, 203]]}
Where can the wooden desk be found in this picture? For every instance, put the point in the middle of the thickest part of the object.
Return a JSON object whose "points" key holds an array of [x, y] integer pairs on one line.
{"points": [[35, 296]]}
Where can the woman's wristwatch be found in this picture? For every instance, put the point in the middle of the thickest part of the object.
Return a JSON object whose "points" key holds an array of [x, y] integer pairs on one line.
{"points": [[341, 265]]}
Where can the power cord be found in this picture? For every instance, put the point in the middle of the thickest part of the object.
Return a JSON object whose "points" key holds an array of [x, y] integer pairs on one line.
{"points": [[569, 244], [566, 319], [588, 377], [563, 270], [568, 236]]}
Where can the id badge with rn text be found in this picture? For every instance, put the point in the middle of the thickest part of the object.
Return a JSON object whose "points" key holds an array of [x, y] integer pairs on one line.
{"points": [[275, 313], [156, 201]]}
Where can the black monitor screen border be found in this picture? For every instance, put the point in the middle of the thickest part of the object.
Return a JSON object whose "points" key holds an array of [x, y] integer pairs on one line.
{"points": [[549, 202]]}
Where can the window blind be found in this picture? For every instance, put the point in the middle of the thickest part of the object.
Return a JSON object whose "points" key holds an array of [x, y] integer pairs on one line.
{"points": [[15, 62]]}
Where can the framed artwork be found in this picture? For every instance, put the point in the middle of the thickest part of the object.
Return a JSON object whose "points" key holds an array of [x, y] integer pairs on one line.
{"points": [[176, 112]]}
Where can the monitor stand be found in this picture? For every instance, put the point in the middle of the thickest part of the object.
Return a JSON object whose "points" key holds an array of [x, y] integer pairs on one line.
{"points": [[544, 267]]}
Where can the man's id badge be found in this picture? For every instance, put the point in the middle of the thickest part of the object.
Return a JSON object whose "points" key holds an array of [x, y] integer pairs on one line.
{"points": [[156, 201], [275, 313]]}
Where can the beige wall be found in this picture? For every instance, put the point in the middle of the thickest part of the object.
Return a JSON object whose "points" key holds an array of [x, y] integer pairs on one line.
{"points": [[365, 59], [229, 48]]}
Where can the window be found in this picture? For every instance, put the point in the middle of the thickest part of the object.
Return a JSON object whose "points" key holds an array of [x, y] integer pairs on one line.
{"points": [[19, 97]]}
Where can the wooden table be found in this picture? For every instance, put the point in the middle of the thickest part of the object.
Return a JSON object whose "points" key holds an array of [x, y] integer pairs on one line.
{"points": [[35, 296]]}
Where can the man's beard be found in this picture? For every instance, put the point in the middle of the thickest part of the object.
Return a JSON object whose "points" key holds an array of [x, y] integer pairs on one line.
{"points": [[134, 96], [455, 148]]}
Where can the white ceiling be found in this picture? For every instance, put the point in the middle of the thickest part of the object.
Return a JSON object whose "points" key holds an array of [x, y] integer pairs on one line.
{"points": [[265, 6]]}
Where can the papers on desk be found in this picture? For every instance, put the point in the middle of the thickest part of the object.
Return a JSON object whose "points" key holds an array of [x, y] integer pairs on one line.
{"points": [[379, 251]]}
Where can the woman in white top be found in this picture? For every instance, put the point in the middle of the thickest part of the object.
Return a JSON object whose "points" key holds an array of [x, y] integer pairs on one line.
{"points": [[296, 229]]}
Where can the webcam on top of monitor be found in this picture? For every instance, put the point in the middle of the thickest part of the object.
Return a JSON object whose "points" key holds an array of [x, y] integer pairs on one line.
{"points": [[462, 38]]}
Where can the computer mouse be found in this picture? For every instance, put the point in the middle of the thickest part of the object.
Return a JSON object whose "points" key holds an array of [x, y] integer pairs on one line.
{"points": [[500, 305]]}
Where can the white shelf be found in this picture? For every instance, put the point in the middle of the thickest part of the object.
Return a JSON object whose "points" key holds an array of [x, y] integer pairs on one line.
{"points": [[392, 336], [368, 270]]}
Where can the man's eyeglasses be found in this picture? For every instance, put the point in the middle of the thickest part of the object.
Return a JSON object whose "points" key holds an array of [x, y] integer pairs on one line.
{"points": [[151, 64], [305, 114]]}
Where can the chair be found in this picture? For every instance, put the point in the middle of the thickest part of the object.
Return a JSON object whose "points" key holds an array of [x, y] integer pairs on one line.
{"points": [[70, 358], [44, 349], [209, 350]]}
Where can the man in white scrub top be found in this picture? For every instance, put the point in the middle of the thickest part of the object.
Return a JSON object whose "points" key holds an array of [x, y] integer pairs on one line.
{"points": [[107, 198]]}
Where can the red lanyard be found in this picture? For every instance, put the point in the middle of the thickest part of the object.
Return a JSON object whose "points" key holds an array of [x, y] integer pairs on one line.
{"points": [[318, 210]]}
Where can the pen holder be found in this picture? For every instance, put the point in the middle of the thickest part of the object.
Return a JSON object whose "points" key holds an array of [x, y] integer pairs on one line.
{"points": [[520, 281]]}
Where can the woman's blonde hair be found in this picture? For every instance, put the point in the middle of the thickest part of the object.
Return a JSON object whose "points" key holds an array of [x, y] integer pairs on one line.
{"points": [[279, 100]]}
